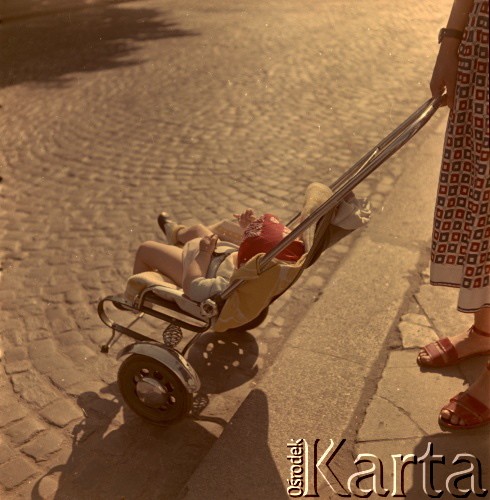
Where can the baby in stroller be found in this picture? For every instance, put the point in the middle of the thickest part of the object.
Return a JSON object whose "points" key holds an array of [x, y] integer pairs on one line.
{"points": [[202, 267]]}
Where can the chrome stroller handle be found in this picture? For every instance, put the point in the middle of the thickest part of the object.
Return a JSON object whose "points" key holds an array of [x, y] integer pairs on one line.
{"points": [[354, 175], [396, 139]]}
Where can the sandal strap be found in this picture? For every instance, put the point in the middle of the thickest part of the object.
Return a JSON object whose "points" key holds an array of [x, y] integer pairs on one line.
{"points": [[480, 332], [470, 409], [442, 348]]}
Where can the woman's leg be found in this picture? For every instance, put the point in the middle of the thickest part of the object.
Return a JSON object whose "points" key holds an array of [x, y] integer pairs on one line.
{"points": [[482, 319], [166, 259]]}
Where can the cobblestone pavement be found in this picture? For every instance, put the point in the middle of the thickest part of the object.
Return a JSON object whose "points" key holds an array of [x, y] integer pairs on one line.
{"points": [[113, 112]]}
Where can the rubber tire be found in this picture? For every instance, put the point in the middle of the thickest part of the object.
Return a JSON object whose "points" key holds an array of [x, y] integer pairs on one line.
{"points": [[133, 365]]}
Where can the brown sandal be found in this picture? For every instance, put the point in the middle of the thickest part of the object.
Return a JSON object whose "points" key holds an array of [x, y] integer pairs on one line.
{"points": [[466, 407], [442, 352]]}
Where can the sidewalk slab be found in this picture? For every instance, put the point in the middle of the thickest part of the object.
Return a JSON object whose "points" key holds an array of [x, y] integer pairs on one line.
{"points": [[316, 386], [402, 418]]}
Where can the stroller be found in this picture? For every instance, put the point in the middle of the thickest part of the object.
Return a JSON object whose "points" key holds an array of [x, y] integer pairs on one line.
{"points": [[155, 379]]}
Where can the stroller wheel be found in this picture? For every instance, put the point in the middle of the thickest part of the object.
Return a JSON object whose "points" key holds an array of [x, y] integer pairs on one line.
{"points": [[152, 390]]}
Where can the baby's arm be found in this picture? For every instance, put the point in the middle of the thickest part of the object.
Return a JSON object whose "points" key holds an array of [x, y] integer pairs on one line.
{"points": [[245, 218], [199, 266]]}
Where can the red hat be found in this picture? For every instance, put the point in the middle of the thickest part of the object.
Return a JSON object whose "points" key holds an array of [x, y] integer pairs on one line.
{"points": [[263, 235]]}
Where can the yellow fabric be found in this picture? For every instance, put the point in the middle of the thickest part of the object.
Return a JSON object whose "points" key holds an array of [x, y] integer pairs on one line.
{"points": [[258, 290], [316, 194], [255, 294]]}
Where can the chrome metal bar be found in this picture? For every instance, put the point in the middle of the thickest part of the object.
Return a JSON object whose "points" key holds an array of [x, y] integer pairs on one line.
{"points": [[358, 166], [382, 144], [363, 168]]}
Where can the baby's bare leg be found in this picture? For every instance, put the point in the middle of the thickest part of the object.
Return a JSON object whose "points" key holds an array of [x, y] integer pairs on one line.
{"points": [[167, 259], [186, 234]]}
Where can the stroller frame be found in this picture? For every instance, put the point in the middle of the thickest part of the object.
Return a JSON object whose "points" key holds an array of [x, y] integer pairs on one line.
{"points": [[156, 380]]}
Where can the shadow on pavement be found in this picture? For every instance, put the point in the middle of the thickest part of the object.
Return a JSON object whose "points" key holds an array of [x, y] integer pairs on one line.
{"points": [[49, 49], [436, 480], [124, 460], [224, 361], [241, 464], [132, 460]]}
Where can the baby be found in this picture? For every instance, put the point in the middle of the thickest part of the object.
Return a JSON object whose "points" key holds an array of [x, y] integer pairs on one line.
{"points": [[204, 265]]}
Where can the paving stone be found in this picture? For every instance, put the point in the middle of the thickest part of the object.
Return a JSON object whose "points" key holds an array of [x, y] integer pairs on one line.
{"points": [[74, 296], [18, 367], [23, 430], [417, 319], [15, 354], [404, 358], [99, 336], [15, 336], [66, 378], [6, 453], [87, 387], [86, 321], [315, 282], [63, 324], [34, 323], [7, 297], [58, 287], [42, 348], [414, 335], [438, 304], [56, 312], [419, 394], [10, 324], [61, 412], [43, 445], [38, 334], [279, 320], [49, 364], [15, 472], [33, 389], [384, 420], [10, 409], [70, 338], [80, 353]]}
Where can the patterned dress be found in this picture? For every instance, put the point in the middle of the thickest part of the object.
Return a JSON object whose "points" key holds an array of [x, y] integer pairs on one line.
{"points": [[460, 255]]}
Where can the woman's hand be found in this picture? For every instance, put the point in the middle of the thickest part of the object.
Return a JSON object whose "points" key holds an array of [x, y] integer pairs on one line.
{"points": [[245, 218], [445, 71], [208, 244]]}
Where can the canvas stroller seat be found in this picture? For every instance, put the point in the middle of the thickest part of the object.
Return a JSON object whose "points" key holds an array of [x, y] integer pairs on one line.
{"points": [[154, 284]]}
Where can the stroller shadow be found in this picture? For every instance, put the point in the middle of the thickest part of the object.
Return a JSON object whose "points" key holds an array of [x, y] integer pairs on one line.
{"points": [[49, 49], [223, 362], [116, 454], [132, 459]]}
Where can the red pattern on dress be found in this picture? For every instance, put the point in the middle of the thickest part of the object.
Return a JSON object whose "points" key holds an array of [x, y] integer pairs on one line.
{"points": [[461, 234]]}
